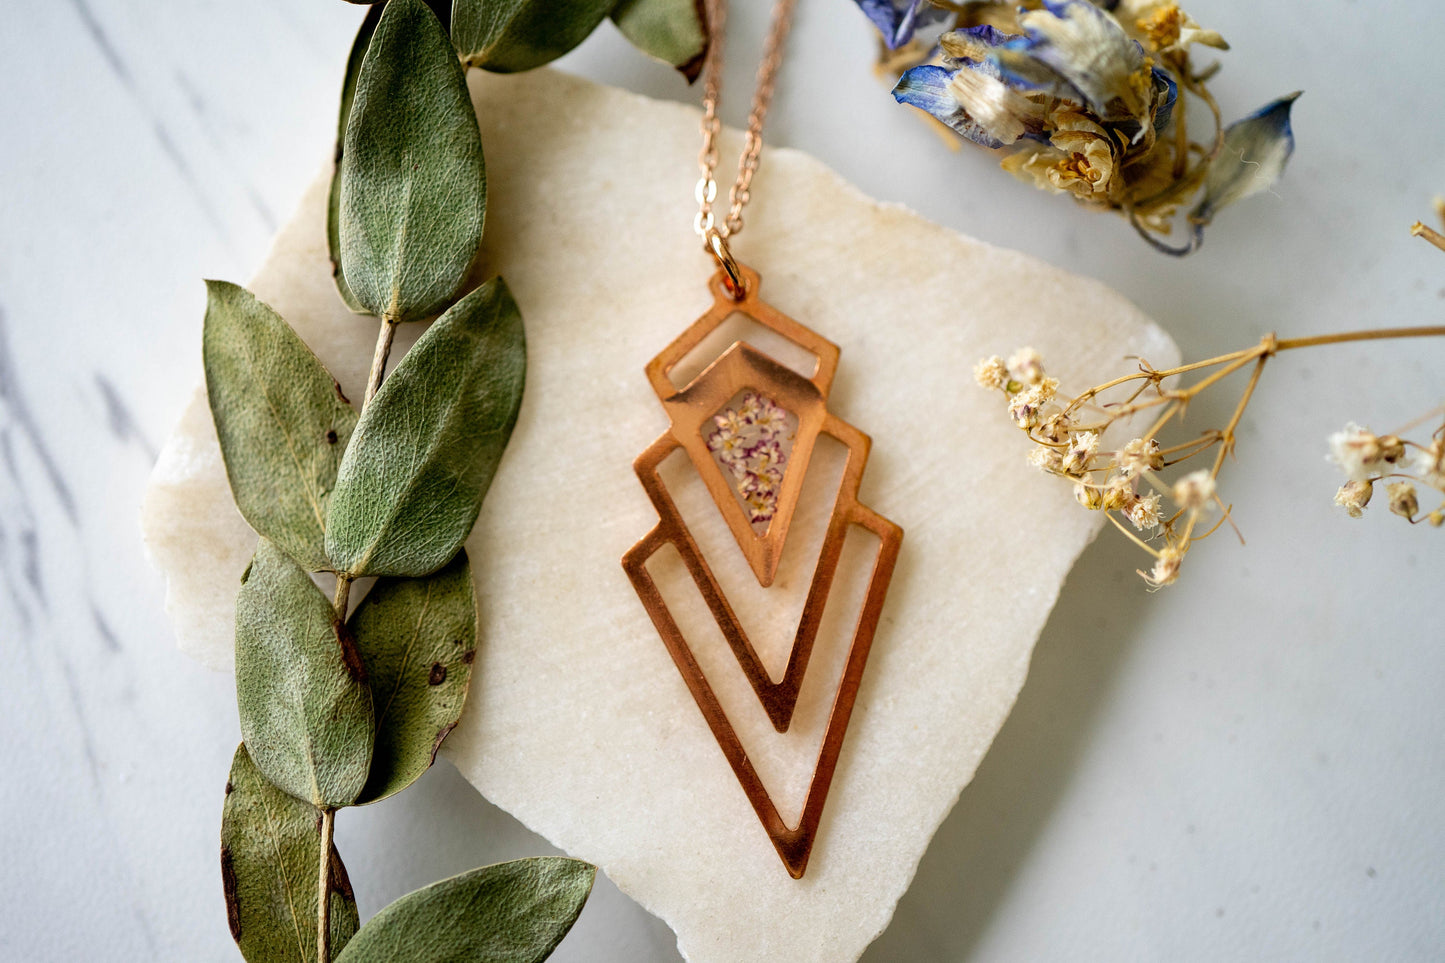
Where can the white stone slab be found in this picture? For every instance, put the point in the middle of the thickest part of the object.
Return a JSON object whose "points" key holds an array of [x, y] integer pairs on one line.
{"points": [[578, 723]]}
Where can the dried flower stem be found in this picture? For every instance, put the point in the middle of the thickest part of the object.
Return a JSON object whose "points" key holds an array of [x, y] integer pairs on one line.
{"points": [[343, 594], [1428, 233], [1131, 536], [1233, 361], [1225, 438]]}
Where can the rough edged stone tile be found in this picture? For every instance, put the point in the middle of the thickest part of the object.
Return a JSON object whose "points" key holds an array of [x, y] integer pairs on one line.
{"points": [[578, 722]]}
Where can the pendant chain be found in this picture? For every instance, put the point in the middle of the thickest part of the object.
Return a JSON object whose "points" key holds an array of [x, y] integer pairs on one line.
{"points": [[711, 232]]}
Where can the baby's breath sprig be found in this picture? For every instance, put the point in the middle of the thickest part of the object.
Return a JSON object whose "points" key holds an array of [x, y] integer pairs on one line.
{"points": [[1367, 458], [1164, 512]]}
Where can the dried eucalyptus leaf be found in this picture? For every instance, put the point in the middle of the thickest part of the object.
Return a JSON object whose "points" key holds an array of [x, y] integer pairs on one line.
{"points": [[673, 31], [417, 637], [513, 912], [281, 419], [443, 10], [507, 36], [270, 853], [426, 448], [333, 200], [300, 685], [413, 183]]}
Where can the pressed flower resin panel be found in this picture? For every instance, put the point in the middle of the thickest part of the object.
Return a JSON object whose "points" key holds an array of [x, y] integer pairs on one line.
{"points": [[751, 440], [579, 723]]}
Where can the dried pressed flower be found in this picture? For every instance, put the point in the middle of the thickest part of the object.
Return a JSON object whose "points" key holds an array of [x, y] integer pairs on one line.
{"points": [[751, 442]]}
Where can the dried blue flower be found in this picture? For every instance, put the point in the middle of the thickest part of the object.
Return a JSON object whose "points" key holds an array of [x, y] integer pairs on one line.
{"points": [[1073, 49], [972, 44], [896, 20], [1085, 95], [1253, 156], [1166, 94], [973, 101]]}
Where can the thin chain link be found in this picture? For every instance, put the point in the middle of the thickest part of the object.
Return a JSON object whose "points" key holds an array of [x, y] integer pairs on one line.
{"points": [[707, 158]]}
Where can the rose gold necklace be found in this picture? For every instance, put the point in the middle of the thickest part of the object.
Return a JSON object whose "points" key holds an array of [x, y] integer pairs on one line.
{"points": [[748, 424]]}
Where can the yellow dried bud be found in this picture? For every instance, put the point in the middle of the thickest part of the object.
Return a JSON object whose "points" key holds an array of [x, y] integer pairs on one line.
{"points": [[1088, 496], [1117, 494]]}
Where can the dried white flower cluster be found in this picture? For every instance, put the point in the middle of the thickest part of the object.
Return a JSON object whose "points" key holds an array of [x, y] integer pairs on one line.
{"points": [[1124, 482], [1367, 458], [1071, 441]]}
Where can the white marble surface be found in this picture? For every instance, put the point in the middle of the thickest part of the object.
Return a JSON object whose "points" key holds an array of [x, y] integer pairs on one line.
{"points": [[1245, 766]]}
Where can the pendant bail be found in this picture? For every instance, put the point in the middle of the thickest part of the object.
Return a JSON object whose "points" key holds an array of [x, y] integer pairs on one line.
{"points": [[732, 274]]}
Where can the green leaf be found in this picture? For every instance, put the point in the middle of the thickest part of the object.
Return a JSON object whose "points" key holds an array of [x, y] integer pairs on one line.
{"points": [[281, 419], [333, 200], [426, 448], [673, 31], [270, 854], [513, 912], [417, 638], [513, 35], [413, 183], [443, 10], [300, 685]]}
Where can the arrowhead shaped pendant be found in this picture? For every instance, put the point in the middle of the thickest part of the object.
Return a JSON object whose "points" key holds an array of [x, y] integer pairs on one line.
{"points": [[749, 424]]}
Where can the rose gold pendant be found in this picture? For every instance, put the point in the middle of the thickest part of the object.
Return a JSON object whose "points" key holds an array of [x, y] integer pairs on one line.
{"points": [[749, 425]]}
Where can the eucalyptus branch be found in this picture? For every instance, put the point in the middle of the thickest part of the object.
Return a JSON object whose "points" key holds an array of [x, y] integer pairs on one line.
{"points": [[384, 338], [343, 707]]}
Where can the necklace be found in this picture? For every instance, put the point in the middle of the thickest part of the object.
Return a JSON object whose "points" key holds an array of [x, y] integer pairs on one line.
{"points": [[749, 423]]}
